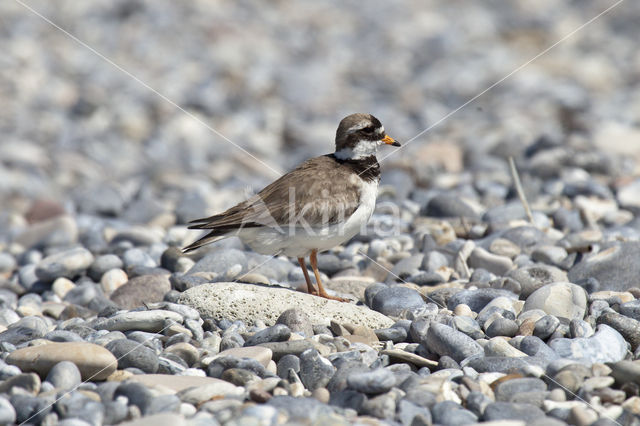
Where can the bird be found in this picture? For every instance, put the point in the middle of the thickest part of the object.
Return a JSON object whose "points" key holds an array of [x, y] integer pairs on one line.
{"points": [[320, 204]]}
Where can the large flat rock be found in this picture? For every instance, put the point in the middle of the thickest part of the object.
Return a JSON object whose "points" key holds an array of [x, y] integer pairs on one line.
{"points": [[93, 361], [251, 302]]}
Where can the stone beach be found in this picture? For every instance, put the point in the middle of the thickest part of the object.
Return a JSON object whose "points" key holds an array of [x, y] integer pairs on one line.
{"points": [[464, 309]]}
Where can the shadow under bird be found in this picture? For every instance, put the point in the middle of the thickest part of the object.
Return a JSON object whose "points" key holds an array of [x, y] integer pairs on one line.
{"points": [[320, 204]]}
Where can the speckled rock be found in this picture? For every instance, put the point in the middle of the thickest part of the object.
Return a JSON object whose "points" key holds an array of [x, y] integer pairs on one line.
{"points": [[250, 303]]}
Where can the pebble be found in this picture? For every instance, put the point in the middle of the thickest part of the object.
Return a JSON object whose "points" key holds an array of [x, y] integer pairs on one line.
{"points": [[606, 345], [112, 280], [133, 354], [68, 264], [64, 375], [560, 299], [140, 290], [371, 382], [393, 301], [476, 300], [614, 268], [275, 333], [151, 321], [315, 370], [629, 328], [496, 264], [533, 277], [444, 340], [297, 320], [513, 411]]}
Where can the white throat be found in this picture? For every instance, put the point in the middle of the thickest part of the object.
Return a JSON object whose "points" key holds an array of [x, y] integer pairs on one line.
{"points": [[363, 149]]}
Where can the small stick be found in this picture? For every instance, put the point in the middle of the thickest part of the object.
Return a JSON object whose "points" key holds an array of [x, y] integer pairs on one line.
{"points": [[519, 190]]}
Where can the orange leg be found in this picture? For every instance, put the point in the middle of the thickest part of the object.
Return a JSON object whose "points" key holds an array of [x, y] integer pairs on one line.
{"points": [[310, 288], [321, 292]]}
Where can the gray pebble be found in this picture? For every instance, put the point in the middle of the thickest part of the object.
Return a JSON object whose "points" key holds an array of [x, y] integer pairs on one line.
{"points": [[133, 354], [68, 264], [444, 340], [371, 382], [502, 327], [7, 412], [394, 300], [275, 333], [287, 362], [102, 264], [513, 411], [64, 375], [606, 345], [545, 326], [478, 299], [449, 413], [628, 327], [315, 371]]}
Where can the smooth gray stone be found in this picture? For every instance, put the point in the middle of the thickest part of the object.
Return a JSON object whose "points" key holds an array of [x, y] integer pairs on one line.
{"points": [[395, 334], [78, 406], [371, 382], [7, 412], [481, 258], [477, 402], [450, 413], [545, 326], [447, 206], [300, 410], [137, 257], [393, 301], [220, 261], [526, 237], [68, 263], [164, 404], [380, 406], [102, 264], [560, 299], [297, 320], [628, 327], [512, 411], [137, 394], [616, 268], [444, 340], [513, 390], [63, 336], [24, 330], [501, 364], [133, 354], [219, 365], [64, 375], [30, 408], [275, 333], [29, 382], [502, 327], [285, 363], [580, 328], [606, 345], [478, 299], [631, 309], [315, 371], [413, 414], [533, 277]]}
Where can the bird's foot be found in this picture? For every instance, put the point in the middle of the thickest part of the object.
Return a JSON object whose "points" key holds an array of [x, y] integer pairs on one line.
{"points": [[328, 296]]}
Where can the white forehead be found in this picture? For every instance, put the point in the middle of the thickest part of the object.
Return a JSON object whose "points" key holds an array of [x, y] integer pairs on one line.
{"points": [[362, 125]]}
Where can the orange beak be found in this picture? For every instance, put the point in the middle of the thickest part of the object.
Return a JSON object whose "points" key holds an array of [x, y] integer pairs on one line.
{"points": [[390, 141]]}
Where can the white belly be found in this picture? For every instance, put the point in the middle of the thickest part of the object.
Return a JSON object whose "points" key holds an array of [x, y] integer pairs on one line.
{"points": [[299, 241]]}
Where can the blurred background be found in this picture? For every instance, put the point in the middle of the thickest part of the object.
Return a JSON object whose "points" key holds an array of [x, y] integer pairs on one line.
{"points": [[131, 136]]}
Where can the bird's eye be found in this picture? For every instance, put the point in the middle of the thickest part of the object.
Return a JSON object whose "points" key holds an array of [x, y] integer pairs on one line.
{"points": [[369, 129]]}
